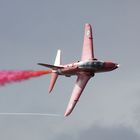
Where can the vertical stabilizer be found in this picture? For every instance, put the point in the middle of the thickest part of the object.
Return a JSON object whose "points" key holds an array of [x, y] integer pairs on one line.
{"points": [[58, 58], [54, 75]]}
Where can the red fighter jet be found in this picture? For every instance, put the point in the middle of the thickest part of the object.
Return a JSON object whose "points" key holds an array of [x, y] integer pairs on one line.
{"points": [[84, 69]]}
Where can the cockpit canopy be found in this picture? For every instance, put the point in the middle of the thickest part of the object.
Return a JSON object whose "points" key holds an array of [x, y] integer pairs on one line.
{"points": [[91, 64]]}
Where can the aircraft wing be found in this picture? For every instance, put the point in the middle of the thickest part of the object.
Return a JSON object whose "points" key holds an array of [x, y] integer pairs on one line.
{"points": [[81, 82], [88, 52]]}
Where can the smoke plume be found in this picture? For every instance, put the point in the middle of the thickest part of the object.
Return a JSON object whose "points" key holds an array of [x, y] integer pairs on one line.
{"points": [[17, 76]]}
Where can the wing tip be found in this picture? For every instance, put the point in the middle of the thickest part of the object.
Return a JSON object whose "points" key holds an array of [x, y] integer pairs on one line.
{"points": [[67, 114], [88, 25]]}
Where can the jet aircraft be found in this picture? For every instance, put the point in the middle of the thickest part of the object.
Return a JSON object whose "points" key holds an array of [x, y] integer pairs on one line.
{"points": [[83, 69]]}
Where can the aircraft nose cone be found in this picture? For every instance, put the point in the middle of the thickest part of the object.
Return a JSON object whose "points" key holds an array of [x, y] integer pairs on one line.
{"points": [[116, 65], [111, 65]]}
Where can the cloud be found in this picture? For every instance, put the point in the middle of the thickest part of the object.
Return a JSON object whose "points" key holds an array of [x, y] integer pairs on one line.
{"points": [[103, 133]]}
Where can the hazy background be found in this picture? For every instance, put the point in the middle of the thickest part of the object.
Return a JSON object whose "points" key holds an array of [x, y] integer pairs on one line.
{"points": [[31, 31]]}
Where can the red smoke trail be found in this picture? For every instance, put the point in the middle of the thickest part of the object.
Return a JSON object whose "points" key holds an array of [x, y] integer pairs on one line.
{"points": [[16, 76]]}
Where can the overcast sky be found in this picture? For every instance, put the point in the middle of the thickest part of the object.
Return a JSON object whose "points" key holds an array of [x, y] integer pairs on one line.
{"points": [[31, 31]]}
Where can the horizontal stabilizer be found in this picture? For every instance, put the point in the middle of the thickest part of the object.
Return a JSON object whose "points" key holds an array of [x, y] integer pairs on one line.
{"points": [[56, 66], [54, 77], [50, 66]]}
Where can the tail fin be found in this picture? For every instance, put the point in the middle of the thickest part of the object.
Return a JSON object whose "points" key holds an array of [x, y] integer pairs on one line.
{"points": [[54, 76], [58, 58]]}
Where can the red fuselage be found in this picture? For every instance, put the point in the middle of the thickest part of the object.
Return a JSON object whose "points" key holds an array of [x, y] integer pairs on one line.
{"points": [[89, 66]]}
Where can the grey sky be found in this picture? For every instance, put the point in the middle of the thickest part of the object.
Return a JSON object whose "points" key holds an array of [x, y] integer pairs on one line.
{"points": [[32, 31], [101, 133]]}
